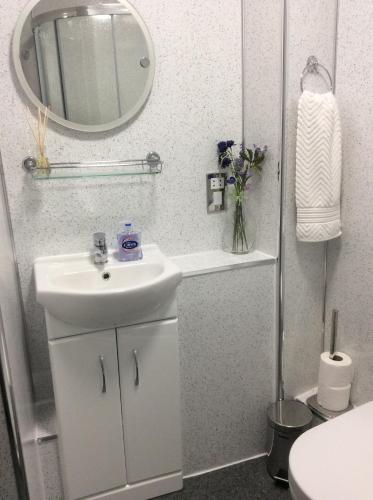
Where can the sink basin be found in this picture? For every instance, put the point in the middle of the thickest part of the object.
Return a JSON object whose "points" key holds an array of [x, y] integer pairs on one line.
{"points": [[75, 290]]}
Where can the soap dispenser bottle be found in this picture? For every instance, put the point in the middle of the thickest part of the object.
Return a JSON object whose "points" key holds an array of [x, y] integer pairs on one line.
{"points": [[129, 243]]}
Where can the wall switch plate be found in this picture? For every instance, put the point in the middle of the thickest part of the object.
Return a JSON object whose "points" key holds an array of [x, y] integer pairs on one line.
{"points": [[216, 192], [217, 183]]}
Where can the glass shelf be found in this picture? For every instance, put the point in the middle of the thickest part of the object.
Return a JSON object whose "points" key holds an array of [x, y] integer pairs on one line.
{"points": [[150, 166]]}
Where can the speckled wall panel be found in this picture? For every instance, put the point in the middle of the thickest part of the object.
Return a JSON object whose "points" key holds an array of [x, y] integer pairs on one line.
{"points": [[227, 365], [8, 488], [263, 84], [50, 465], [351, 257], [311, 31], [196, 100]]}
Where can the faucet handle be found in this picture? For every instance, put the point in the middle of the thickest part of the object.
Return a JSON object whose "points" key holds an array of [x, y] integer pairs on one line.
{"points": [[99, 239]]}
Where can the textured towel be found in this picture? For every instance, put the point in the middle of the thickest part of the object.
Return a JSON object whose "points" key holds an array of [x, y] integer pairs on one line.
{"points": [[318, 168]]}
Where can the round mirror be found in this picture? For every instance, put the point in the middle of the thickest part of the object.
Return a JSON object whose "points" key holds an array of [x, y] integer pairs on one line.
{"points": [[90, 62]]}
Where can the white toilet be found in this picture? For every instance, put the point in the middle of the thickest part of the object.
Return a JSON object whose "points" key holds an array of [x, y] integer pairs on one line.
{"points": [[334, 461]]}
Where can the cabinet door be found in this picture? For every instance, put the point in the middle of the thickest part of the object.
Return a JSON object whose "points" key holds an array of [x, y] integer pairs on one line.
{"points": [[86, 386], [150, 387]]}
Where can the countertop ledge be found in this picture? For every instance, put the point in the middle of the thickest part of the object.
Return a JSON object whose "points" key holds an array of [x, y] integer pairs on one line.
{"points": [[214, 261]]}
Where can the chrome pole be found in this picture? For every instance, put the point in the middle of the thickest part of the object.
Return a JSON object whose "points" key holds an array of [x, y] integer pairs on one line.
{"points": [[326, 246], [325, 289], [243, 63], [280, 390]]}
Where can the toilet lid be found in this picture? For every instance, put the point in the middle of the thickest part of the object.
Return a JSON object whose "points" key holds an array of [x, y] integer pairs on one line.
{"points": [[334, 461]]}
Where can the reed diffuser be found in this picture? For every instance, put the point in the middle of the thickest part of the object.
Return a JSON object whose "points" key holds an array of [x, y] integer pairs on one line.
{"points": [[40, 133]]}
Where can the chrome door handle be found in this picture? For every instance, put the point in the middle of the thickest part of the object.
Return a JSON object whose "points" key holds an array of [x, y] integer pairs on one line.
{"points": [[103, 388], [137, 376]]}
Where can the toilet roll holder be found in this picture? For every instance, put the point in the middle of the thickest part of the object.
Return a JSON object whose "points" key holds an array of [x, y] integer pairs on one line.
{"points": [[322, 412], [333, 337], [312, 400]]}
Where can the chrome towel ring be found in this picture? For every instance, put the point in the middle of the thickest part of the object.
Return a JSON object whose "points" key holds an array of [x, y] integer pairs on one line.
{"points": [[313, 66]]}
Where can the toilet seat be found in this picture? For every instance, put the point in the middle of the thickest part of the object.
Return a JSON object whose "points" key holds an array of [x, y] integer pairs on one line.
{"points": [[334, 461]]}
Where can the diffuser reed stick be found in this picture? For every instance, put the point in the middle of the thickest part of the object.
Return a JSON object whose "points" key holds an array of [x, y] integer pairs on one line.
{"points": [[39, 133]]}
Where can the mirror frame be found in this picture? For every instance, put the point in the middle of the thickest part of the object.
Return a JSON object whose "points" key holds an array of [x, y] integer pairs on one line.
{"points": [[62, 121]]}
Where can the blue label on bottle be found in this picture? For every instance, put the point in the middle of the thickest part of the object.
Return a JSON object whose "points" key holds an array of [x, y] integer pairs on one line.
{"points": [[129, 245]]}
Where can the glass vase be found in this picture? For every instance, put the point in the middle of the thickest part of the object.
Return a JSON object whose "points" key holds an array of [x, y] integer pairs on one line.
{"points": [[240, 228]]}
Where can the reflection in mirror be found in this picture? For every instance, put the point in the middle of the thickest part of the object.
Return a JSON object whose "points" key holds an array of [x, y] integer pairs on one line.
{"points": [[91, 62]]}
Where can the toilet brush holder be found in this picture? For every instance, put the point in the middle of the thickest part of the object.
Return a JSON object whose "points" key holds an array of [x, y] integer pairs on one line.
{"points": [[287, 420]]}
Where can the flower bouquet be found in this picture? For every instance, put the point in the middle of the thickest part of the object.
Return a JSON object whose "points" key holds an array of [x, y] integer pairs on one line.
{"points": [[241, 168]]}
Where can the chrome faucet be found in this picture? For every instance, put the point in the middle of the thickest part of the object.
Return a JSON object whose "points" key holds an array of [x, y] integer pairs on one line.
{"points": [[100, 248]]}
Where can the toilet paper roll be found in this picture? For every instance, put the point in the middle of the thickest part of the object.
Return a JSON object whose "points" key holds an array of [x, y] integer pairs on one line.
{"points": [[335, 373], [334, 398]]}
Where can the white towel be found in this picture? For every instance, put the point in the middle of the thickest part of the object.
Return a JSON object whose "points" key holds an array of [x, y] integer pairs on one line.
{"points": [[318, 168]]}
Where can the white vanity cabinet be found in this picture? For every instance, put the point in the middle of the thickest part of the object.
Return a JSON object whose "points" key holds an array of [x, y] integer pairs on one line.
{"points": [[118, 408], [86, 385]]}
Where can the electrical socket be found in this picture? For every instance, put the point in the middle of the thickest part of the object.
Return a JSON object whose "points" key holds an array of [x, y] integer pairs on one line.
{"points": [[217, 183], [215, 192]]}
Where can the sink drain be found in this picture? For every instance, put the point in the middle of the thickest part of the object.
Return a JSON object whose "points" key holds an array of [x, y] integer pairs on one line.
{"points": [[106, 276]]}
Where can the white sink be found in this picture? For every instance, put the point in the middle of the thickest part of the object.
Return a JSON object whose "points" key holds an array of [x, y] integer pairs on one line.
{"points": [[75, 290]]}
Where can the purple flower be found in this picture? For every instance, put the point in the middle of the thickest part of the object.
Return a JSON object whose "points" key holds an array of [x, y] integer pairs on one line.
{"points": [[222, 147], [258, 150], [225, 162], [238, 164], [231, 180], [259, 153]]}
